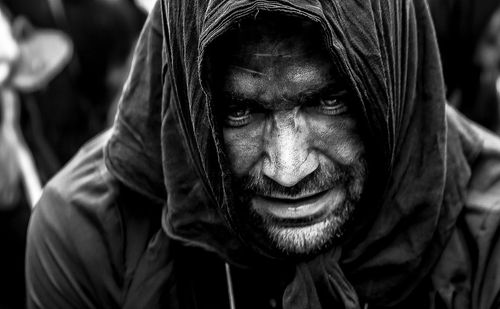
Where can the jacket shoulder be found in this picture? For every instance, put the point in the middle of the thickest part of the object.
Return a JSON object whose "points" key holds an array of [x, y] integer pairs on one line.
{"points": [[480, 224], [468, 273], [84, 240], [482, 149], [74, 237]]}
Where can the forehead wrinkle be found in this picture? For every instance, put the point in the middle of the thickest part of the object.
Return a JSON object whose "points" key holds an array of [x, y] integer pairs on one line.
{"points": [[275, 47], [247, 70], [276, 53], [270, 55]]}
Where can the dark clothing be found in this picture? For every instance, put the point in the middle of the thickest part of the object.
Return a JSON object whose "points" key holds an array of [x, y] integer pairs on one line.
{"points": [[139, 218], [13, 230]]}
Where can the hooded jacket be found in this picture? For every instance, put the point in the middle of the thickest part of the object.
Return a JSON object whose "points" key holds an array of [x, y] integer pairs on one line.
{"points": [[138, 219]]}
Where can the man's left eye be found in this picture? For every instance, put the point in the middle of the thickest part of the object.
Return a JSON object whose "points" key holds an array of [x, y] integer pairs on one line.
{"points": [[332, 106]]}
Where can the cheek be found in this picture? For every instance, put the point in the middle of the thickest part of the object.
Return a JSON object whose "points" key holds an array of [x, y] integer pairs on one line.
{"points": [[243, 147], [338, 138]]}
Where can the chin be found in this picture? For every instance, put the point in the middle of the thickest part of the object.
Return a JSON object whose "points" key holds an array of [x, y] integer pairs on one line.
{"points": [[299, 237], [305, 240], [308, 239]]}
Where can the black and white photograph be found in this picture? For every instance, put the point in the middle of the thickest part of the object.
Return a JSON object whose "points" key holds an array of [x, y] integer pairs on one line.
{"points": [[250, 154]]}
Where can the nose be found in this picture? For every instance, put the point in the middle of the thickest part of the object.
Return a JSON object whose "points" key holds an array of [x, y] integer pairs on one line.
{"points": [[288, 155]]}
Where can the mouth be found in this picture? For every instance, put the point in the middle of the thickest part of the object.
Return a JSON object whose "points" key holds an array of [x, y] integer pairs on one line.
{"points": [[309, 208]]}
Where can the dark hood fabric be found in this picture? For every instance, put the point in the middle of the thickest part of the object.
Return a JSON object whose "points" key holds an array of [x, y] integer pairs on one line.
{"points": [[166, 145]]}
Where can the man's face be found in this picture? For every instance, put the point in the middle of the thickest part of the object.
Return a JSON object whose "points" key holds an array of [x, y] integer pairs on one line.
{"points": [[295, 152]]}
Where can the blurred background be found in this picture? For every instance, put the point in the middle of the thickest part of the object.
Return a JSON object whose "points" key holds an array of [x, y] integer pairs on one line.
{"points": [[63, 64], [468, 33]]}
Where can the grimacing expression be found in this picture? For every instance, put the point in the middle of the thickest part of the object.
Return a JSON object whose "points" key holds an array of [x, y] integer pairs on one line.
{"points": [[291, 138]]}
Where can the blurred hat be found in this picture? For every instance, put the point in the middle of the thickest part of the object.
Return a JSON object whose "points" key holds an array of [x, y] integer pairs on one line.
{"points": [[30, 58], [145, 5], [44, 53]]}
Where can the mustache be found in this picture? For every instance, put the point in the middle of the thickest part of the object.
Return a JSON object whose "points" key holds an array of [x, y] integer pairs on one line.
{"points": [[322, 179]]}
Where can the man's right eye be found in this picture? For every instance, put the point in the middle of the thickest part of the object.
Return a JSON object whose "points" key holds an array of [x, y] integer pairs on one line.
{"points": [[238, 116]]}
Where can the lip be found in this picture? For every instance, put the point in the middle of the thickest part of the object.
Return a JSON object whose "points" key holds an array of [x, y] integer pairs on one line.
{"points": [[314, 206]]}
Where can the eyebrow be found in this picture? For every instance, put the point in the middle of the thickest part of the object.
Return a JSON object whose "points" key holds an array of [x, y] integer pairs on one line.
{"points": [[332, 88]]}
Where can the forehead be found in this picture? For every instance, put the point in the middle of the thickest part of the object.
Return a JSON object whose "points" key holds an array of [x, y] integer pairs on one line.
{"points": [[268, 60], [271, 81], [270, 40]]}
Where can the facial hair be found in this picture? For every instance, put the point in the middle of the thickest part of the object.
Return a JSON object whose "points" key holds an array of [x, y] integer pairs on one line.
{"points": [[305, 236]]}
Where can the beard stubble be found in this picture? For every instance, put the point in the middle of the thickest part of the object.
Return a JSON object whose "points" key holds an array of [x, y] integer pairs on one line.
{"points": [[304, 236]]}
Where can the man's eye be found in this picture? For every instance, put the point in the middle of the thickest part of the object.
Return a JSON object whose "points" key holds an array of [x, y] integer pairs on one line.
{"points": [[332, 106], [238, 117]]}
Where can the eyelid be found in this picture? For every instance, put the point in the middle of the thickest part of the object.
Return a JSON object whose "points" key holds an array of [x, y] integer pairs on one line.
{"points": [[232, 121], [339, 106], [336, 94], [238, 122]]}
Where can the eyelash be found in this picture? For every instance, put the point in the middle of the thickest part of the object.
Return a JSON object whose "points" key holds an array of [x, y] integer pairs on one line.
{"points": [[339, 108], [239, 121]]}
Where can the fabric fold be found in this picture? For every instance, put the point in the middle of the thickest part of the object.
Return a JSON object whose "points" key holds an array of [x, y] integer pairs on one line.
{"points": [[320, 283]]}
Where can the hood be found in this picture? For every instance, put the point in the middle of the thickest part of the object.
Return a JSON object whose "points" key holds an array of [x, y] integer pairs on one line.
{"points": [[165, 143]]}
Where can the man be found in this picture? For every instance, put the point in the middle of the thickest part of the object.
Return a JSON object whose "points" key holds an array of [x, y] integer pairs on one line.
{"points": [[275, 154]]}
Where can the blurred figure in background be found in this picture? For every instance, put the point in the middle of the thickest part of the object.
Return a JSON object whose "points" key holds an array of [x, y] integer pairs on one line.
{"points": [[74, 106], [146, 5], [487, 57], [14, 209], [27, 63], [468, 36], [55, 91], [9, 55]]}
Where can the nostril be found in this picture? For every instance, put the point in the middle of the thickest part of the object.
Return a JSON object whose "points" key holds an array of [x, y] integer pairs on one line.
{"points": [[287, 179], [289, 172]]}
